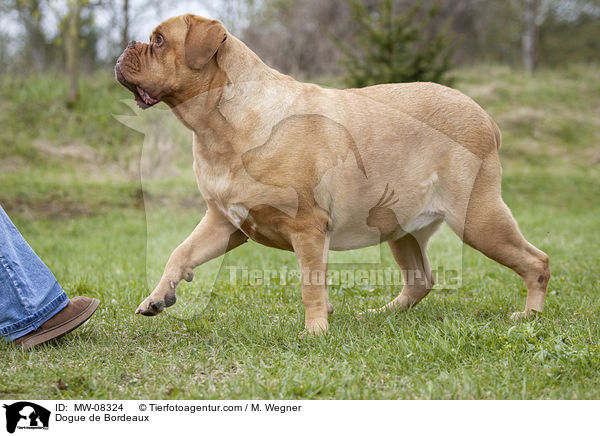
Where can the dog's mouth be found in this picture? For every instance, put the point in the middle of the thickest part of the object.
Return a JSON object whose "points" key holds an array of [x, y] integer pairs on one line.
{"points": [[143, 98], [146, 97]]}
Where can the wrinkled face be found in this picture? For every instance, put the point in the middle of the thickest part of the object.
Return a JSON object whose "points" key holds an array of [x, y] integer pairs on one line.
{"points": [[177, 54]]}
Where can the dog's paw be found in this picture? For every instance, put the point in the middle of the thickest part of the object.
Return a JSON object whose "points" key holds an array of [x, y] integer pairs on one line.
{"points": [[188, 276], [315, 327], [523, 315], [152, 306]]}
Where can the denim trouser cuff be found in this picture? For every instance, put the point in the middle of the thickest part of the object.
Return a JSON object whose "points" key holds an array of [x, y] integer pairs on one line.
{"points": [[29, 292], [33, 322]]}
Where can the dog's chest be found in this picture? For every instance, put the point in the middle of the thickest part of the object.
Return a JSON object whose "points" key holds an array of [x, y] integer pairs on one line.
{"points": [[228, 191], [215, 182]]}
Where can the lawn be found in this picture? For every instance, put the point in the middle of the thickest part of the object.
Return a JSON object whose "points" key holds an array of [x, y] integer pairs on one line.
{"points": [[71, 184]]}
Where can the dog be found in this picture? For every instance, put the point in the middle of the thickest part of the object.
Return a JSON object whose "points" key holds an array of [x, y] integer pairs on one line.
{"points": [[299, 167]]}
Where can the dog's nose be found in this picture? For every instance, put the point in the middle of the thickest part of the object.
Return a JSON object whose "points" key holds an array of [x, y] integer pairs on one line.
{"points": [[131, 44]]}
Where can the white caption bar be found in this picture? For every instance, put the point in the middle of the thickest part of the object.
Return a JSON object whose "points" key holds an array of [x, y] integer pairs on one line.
{"points": [[250, 417]]}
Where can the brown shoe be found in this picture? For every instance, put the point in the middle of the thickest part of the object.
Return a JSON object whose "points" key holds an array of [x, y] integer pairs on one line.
{"points": [[78, 311]]}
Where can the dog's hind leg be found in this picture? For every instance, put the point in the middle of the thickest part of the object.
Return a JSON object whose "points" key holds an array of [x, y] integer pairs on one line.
{"points": [[213, 237], [410, 253], [489, 227]]}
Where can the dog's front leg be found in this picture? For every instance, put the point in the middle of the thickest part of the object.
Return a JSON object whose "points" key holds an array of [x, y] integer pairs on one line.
{"points": [[311, 249], [213, 237]]}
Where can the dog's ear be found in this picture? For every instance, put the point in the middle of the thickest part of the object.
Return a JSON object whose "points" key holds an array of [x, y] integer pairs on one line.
{"points": [[203, 39]]}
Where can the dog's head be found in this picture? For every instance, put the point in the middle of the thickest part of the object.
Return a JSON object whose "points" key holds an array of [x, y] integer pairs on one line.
{"points": [[177, 57]]}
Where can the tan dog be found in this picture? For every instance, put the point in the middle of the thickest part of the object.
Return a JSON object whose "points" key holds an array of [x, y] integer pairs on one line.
{"points": [[299, 167]]}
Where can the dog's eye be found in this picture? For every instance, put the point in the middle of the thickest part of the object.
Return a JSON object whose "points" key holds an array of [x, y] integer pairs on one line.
{"points": [[158, 40]]}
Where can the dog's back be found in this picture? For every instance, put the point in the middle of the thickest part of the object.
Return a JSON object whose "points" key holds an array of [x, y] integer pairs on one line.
{"points": [[444, 109]]}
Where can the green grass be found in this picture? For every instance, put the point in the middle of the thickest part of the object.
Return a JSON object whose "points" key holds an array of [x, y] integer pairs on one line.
{"points": [[87, 221]]}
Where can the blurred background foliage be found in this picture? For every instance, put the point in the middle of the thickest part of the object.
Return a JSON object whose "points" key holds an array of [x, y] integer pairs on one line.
{"points": [[294, 35], [394, 47], [302, 37]]}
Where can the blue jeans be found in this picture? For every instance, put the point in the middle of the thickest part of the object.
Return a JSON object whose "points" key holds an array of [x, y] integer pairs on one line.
{"points": [[29, 293]]}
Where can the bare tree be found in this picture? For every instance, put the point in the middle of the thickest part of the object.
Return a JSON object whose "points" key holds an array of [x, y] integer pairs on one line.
{"points": [[296, 37], [530, 37], [125, 29], [72, 52], [37, 50]]}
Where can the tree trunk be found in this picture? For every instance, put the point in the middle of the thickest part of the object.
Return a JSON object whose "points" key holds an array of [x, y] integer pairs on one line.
{"points": [[72, 49], [530, 38], [125, 30], [37, 50]]}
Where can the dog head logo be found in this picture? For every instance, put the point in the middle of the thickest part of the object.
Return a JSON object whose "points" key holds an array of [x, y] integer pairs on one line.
{"points": [[25, 415]]}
